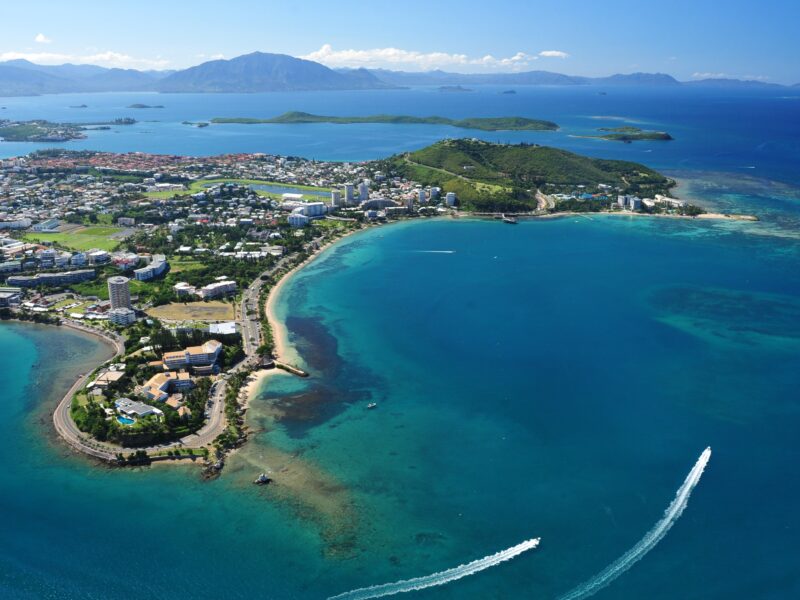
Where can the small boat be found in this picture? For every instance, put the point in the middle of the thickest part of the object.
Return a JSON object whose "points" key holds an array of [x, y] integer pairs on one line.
{"points": [[262, 479], [510, 220], [372, 405]]}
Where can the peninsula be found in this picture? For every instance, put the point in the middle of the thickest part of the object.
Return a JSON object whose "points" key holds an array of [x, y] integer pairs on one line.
{"points": [[182, 289], [45, 131], [479, 123]]}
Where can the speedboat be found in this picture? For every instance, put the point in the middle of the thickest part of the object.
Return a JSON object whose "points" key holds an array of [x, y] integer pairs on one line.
{"points": [[372, 405]]}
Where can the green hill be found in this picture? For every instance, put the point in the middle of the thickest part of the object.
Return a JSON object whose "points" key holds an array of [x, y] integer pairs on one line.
{"points": [[481, 123], [500, 177]]}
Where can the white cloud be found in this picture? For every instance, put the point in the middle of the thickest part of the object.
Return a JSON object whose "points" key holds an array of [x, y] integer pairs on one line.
{"points": [[757, 77], [553, 54], [211, 56], [702, 75], [397, 58], [104, 59], [42, 39]]}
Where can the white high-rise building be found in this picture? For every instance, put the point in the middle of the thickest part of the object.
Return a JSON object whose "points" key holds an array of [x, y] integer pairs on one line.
{"points": [[450, 199], [421, 196], [363, 191], [349, 193], [119, 292], [336, 198]]}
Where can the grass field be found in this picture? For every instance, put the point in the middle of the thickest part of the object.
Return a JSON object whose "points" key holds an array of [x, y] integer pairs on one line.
{"points": [[183, 265], [193, 311], [85, 238], [202, 184]]}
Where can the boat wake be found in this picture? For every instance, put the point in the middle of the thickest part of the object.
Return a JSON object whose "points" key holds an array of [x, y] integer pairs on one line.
{"points": [[435, 251], [441, 578], [651, 538]]}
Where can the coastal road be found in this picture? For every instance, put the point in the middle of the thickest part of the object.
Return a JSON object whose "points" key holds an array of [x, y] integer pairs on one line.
{"points": [[62, 419]]}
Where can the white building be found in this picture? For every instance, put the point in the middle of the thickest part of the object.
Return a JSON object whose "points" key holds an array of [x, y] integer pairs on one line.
{"points": [[297, 219], [156, 267], [217, 289], [450, 198], [349, 193], [98, 257], [363, 191], [311, 209], [49, 225], [122, 316], [119, 292], [15, 224], [183, 289], [336, 198]]}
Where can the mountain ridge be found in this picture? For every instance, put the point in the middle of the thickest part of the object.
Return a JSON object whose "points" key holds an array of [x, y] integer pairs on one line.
{"points": [[267, 72]]}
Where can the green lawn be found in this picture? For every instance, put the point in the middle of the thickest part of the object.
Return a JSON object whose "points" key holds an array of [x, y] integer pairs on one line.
{"points": [[183, 265], [99, 287], [80, 239], [202, 184]]}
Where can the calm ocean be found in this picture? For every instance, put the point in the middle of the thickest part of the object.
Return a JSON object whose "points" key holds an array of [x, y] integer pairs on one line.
{"points": [[555, 379]]}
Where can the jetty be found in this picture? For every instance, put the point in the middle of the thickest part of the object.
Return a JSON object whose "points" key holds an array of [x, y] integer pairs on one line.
{"points": [[291, 369]]}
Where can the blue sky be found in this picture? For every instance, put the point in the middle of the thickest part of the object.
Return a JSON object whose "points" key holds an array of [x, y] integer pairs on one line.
{"points": [[688, 39]]}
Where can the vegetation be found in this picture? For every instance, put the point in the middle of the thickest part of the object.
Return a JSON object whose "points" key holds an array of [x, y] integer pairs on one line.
{"points": [[85, 238], [194, 311], [7, 313], [45, 131], [235, 434], [90, 417], [203, 184], [632, 134], [484, 124], [490, 177]]}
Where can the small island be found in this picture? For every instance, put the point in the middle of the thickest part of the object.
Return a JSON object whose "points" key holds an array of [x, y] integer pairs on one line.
{"points": [[454, 89], [630, 134], [199, 124], [480, 123], [509, 92], [138, 105]]}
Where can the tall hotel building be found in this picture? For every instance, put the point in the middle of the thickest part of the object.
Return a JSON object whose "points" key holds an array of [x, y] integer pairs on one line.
{"points": [[119, 292]]}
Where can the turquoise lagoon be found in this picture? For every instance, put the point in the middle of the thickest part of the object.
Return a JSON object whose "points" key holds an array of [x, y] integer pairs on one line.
{"points": [[556, 379]]}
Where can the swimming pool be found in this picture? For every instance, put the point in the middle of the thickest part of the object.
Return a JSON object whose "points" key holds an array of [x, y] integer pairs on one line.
{"points": [[125, 420]]}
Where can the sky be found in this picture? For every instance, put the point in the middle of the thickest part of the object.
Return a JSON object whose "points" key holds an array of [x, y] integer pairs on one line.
{"points": [[687, 39]]}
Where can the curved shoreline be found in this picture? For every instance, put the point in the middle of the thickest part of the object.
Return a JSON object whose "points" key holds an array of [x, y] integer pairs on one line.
{"points": [[62, 419], [280, 334]]}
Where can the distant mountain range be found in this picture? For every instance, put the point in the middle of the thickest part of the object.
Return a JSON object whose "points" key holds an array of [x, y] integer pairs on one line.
{"points": [[263, 72], [523, 78]]}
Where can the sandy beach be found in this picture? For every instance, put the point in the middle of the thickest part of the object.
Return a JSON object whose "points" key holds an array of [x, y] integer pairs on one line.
{"points": [[283, 350]]}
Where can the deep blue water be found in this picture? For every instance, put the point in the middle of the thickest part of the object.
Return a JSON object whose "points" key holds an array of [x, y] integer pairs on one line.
{"points": [[755, 132], [559, 379], [556, 379]]}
